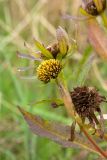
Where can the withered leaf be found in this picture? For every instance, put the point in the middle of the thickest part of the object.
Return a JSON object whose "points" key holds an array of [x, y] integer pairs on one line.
{"points": [[57, 132]]}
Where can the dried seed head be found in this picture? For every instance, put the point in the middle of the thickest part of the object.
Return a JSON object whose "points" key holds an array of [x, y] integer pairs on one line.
{"points": [[48, 69], [90, 7], [86, 101]]}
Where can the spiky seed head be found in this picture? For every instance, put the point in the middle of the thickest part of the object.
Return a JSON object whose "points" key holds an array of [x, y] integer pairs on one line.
{"points": [[49, 69], [90, 7], [86, 101]]}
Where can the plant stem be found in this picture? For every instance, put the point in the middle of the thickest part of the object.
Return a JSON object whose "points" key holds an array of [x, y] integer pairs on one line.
{"points": [[103, 153]]}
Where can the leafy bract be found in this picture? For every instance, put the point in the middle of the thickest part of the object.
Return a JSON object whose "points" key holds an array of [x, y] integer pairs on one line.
{"points": [[63, 41], [43, 50]]}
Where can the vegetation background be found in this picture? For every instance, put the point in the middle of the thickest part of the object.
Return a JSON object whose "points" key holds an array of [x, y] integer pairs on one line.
{"points": [[21, 21]]}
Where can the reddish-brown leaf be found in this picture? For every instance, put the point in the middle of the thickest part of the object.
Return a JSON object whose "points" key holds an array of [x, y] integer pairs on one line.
{"points": [[97, 38], [55, 131]]}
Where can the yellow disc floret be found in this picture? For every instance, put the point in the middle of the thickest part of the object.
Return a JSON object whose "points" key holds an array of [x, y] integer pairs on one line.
{"points": [[48, 69]]}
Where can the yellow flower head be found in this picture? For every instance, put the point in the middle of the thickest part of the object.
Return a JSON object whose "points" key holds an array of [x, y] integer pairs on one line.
{"points": [[49, 69]]}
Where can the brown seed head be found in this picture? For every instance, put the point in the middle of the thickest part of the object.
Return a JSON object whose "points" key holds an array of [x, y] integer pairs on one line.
{"points": [[86, 100]]}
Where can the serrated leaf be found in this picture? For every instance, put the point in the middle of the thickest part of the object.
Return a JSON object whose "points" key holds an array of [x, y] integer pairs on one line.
{"points": [[55, 131], [63, 40], [44, 51]]}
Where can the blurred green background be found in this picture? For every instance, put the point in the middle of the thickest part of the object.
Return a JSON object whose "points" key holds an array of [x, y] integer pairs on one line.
{"points": [[21, 21]]}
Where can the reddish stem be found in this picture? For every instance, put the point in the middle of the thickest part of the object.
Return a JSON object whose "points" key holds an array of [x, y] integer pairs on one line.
{"points": [[94, 143]]}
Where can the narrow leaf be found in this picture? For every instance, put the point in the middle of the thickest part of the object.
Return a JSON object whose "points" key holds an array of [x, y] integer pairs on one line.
{"points": [[82, 11], [63, 41], [32, 52], [44, 51], [97, 38], [57, 101], [99, 5], [55, 131], [31, 77], [75, 18], [27, 56], [83, 67], [23, 69]]}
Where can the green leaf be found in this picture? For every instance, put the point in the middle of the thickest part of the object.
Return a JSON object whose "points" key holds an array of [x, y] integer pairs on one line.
{"points": [[82, 11], [99, 5], [44, 51], [63, 41], [83, 67], [58, 102]]}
